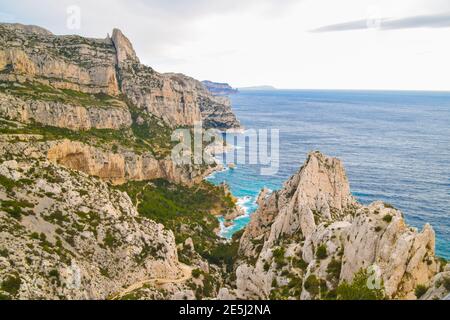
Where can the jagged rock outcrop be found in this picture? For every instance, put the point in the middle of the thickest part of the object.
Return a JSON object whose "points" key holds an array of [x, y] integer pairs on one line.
{"points": [[65, 235], [310, 236], [116, 167], [320, 190], [439, 286]]}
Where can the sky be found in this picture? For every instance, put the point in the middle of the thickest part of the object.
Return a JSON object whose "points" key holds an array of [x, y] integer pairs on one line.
{"points": [[290, 44]]}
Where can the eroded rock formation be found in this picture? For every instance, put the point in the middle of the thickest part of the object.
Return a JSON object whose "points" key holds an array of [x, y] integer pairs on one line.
{"points": [[313, 231]]}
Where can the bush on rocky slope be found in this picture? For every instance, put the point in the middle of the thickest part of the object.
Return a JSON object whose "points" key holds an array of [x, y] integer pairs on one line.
{"points": [[189, 211], [358, 289]]}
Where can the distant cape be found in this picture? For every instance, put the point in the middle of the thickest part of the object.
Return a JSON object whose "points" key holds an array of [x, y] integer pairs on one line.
{"points": [[217, 88]]}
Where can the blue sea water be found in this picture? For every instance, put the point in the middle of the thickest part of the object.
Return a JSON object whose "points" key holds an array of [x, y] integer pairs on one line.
{"points": [[395, 147]]}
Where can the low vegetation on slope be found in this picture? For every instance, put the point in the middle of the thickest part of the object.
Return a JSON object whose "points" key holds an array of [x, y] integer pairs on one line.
{"points": [[147, 134], [38, 91], [189, 211]]}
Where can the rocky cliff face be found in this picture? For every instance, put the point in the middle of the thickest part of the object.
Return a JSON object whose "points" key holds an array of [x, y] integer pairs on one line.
{"points": [[311, 236], [101, 66], [64, 115], [119, 167], [65, 62]]}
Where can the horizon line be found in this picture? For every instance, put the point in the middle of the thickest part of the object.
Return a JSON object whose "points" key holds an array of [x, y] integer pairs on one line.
{"points": [[346, 89]]}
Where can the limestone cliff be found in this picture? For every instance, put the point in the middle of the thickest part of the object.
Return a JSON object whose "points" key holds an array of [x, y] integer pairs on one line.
{"points": [[103, 66], [311, 236], [64, 115], [125, 111], [119, 167]]}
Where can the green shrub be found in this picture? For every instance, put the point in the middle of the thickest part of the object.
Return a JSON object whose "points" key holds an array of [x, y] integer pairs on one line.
{"points": [[388, 205], [274, 283], [4, 297], [299, 263], [387, 218], [278, 256], [7, 183], [16, 208], [334, 269], [312, 285], [359, 289], [57, 217], [4, 253], [420, 291], [35, 236], [185, 209], [110, 241], [196, 273], [442, 263], [224, 253], [321, 252], [54, 277], [11, 284], [295, 283]]}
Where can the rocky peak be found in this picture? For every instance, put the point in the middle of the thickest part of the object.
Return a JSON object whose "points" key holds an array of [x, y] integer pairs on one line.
{"points": [[123, 47], [322, 185], [316, 224], [319, 191], [18, 27]]}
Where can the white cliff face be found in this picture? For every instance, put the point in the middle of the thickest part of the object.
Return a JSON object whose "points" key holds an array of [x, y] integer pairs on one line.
{"points": [[118, 167], [314, 234], [63, 115], [406, 258], [65, 62]]}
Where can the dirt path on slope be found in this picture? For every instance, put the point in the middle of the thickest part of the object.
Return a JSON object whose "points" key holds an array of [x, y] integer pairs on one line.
{"points": [[186, 271]]}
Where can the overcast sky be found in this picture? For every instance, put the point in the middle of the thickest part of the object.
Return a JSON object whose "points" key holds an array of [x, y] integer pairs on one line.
{"points": [[320, 44]]}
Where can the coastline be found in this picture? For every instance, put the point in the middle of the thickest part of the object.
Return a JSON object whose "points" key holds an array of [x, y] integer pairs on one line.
{"points": [[243, 204]]}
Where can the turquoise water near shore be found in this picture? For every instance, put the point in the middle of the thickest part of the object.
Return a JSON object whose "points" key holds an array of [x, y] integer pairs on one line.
{"points": [[395, 147]]}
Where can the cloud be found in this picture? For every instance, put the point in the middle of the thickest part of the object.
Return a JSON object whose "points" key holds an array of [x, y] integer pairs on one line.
{"points": [[421, 21]]}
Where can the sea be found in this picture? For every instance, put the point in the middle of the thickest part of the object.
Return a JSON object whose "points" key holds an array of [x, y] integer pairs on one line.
{"points": [[395, 146]]}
